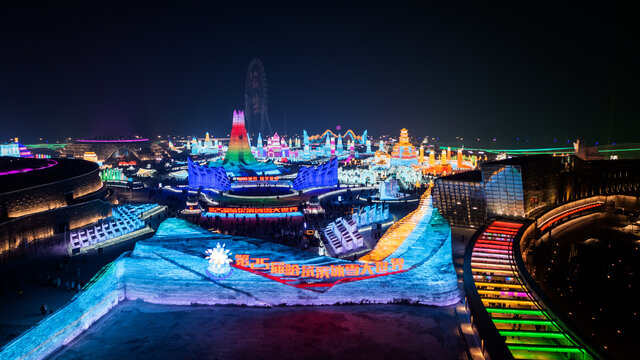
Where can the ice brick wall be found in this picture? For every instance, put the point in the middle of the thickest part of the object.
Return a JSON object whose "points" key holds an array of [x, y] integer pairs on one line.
{"points": [[170, 269], [101, 294]]}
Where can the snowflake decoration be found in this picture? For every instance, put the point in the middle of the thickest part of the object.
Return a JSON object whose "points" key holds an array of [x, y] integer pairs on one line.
{"points": [[219, 259]]}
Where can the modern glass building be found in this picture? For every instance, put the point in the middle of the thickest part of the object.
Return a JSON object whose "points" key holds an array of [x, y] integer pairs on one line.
{"points": [[503, 190], [523, 187], [460, 199]]}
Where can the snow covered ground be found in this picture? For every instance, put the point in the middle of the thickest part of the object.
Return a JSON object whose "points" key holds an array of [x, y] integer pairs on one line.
{"points": [[170, 269], [138, 330]]}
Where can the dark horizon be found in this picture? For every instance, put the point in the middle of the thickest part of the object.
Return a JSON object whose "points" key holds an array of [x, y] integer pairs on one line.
{"points": [[477, 71]]}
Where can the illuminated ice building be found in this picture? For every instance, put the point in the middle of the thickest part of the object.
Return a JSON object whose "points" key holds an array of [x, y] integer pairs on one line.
{"points": [[238, 160], [208, 146], [342, 235], [15, 149], [330, 144], [350, 135], [404, 153], [447, 163], [207, 177], [277, 147], [322, 175], [389, 189]]}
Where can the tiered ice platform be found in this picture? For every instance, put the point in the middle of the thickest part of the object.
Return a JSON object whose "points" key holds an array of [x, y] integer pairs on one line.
{"points": [[126, 221]]}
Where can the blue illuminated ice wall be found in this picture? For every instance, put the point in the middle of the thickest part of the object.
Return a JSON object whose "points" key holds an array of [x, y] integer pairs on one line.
{"points": [[322, 175], [170, 269], [371, 214], [101, 294], [208, 177]]}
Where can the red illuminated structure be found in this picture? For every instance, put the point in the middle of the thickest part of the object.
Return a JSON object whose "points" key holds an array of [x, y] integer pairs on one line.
{"points": [[567, 213], [274, 210], [317, 278], [256, 178]]}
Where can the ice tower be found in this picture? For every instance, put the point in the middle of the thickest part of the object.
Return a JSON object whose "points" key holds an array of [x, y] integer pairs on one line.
{"points": [[239, 152]]}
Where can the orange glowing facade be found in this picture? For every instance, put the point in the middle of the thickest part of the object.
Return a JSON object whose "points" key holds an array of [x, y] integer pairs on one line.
{"points": [[403, 150]]}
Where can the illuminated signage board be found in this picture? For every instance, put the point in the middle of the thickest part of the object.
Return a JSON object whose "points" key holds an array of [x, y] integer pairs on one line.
{"points": [[319, 272], [276, 210], [126, 163], [256, 178], [317, 278]]}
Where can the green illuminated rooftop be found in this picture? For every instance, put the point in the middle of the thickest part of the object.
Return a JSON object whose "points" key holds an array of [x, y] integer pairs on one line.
{"points": [[46, 146]]}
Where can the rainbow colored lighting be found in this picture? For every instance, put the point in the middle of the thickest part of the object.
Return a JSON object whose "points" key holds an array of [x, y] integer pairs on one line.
{"points": [[239, 152], [519, 317]]}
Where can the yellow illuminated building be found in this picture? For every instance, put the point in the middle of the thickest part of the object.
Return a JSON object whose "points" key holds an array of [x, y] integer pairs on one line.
{"points": [[403, 149], [90, 156]]}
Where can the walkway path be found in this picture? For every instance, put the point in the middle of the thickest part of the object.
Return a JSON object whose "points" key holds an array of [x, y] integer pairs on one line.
{"points": [[409, 226], [529, 330]]}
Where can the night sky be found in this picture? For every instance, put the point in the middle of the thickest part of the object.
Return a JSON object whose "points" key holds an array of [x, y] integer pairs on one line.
{"points": [[474, 70]]}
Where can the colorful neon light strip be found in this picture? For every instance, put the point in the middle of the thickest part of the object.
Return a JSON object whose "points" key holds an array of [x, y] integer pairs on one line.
{"points": [[570, 212], [519, 317], [46, 146], [619, 150], [556, 149], [276, 210], [113, 141], [253, 216], [49, 164], [256, 178]]}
